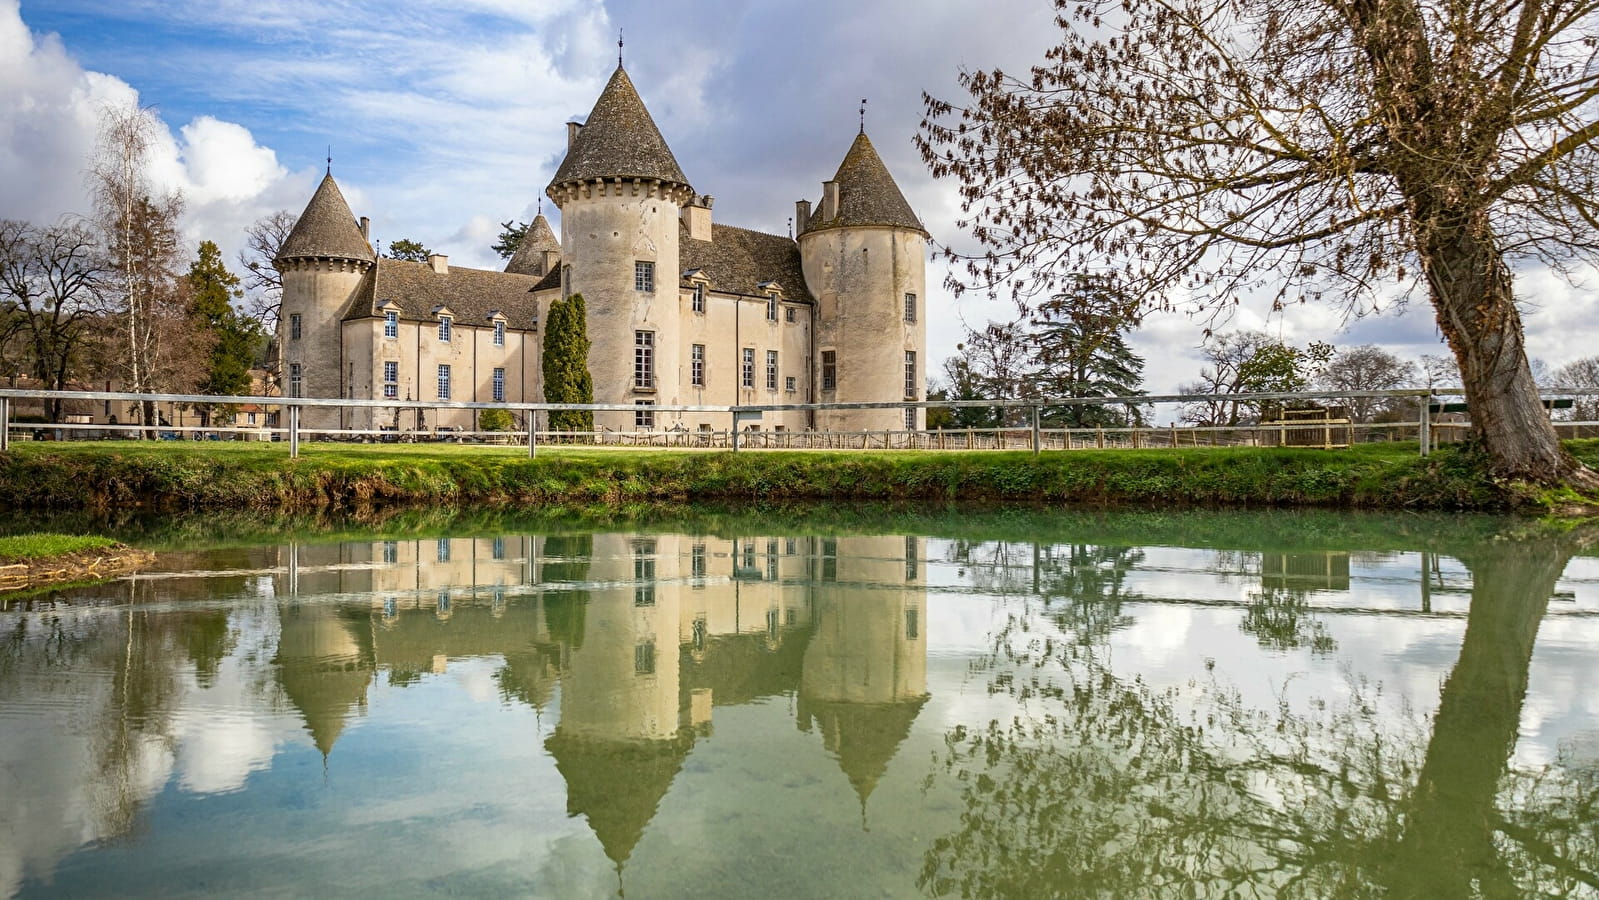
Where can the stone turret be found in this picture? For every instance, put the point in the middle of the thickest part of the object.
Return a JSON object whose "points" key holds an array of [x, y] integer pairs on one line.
{"points": [[323, 262], [539, 253], [864, 255], [620, 191]]}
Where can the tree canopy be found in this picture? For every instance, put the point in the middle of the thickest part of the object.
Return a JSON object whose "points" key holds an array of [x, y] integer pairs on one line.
{"points": [[566, 363], [407, 249], [235, 337], [511, 234]]}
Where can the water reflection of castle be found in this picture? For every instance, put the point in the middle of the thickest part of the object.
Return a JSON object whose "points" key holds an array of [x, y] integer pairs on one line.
{"points": [[643, 635]]}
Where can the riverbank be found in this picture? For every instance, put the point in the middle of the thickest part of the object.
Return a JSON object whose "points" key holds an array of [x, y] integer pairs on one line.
{"points": [[32, 561], [175, 477]]}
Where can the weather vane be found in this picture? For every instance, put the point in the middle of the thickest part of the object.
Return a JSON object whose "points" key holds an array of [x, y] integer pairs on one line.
{"points": [[619, 48], [863, 115], [330, 159]]}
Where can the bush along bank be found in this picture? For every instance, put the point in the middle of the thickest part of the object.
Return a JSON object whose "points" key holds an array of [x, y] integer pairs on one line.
{"points": [[103, 478]]}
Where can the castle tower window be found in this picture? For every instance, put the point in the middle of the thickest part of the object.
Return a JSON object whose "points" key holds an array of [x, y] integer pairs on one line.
{"points": [[910, 418], [444, 381], [771, 370], [499, 334], [747, 376], [912, 623], [296, 379], [910, 307], [697, 365], [697, 561], [391, 551], [644, 277], [644, 658], [443, 550], [829, 370], [391, 380], [644, 359], [444, 328], [499, 385], [771, 307], [788, 384], [644, 415], [294, 327], [391, 324], [788, 314], [698, 303], [910, 374]]}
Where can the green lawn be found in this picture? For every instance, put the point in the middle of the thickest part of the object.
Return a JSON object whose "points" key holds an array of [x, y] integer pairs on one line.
{"points": [[40, 546]]}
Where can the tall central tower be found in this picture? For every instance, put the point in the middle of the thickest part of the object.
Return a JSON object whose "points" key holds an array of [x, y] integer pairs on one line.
{"points": [[620, 191]]}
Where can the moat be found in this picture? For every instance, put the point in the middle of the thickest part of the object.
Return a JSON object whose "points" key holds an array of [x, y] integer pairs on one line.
{"points": [[1000, 703]]}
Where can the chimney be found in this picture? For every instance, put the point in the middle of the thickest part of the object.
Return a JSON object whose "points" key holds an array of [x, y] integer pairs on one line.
{"points": [[440, 263], [572, 128], [697, 215], [802, 215], [552, 260], [366, 228], [829, 201]]}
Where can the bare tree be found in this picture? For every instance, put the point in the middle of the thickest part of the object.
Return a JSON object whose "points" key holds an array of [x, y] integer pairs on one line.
{"points": [[1584, 373], [1368, 368], [1327, 148], [1244, 362], [262, 281], [52, 280]]}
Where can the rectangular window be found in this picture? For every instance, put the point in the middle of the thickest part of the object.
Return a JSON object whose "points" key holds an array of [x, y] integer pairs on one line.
{"points": [[910, 418], [771, 370], [644, 658], [391, 380], [296, 379], [294, 327], [643, 276], [912, 625], [771, 307], [499, 385], [829, 370], [391, 551], [910, 307], [748, 373], [788, 314], [697, 561], [789, 384], [499, 334], [444, 328], [698, 303], [644, 415], [391, 324], [829, 559], [497, 548], [444, 550], [910, 374], [696, 372], [643, 359], [771, 561], [444, 382], [910, 558], [644, 573]]}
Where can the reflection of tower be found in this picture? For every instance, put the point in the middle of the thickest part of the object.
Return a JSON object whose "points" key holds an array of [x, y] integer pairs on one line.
{"points": [[865, 675], [324, 663]]}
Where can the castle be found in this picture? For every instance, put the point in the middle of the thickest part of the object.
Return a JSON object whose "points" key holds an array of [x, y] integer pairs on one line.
{"points": [[681, 311]]}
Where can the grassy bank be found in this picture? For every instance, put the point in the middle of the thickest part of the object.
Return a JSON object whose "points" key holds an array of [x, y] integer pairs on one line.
{"points": [[42, 546], [110, 476], [38, 560]]}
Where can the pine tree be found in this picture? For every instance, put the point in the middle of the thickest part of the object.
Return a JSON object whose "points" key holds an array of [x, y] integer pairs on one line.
{"points": [[566, 364], [235, 339], [1080, 350], [511, 234], [407, 249]]}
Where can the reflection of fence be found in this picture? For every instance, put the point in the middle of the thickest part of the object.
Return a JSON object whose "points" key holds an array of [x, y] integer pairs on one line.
{"points": [[1305, 419]]}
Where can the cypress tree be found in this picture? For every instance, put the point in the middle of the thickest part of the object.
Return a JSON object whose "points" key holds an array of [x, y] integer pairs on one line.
{"points": [[566, 364]]}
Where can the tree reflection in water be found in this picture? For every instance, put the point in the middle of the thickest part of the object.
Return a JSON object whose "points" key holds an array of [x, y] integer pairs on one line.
{"points": [[1107, 786]]}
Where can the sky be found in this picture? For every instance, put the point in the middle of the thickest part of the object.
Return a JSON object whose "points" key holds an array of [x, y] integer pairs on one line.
{"points": [[445, 119]]}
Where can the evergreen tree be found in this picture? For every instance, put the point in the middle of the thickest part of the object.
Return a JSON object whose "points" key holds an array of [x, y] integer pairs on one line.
{"points": [[566, 364], [1080, 350], [235, 339], [511, 234], [407, 249]]}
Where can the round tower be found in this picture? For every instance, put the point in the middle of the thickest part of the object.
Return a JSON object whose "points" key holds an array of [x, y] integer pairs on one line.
{"points": [[323, 262], [864, 256], [620, 191]]}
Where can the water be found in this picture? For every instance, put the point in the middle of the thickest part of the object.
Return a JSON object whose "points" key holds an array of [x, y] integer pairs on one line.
{"points": [[985, 704]]}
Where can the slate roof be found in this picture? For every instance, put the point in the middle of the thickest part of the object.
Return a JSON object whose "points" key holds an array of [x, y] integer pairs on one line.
{"points": [[327, 229], [469, 293], [529, 256], [867, 194], [738, 260], [619, 140]]}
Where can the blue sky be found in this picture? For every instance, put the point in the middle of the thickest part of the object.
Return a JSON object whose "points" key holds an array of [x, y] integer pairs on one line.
{"points": [[445, 118]]}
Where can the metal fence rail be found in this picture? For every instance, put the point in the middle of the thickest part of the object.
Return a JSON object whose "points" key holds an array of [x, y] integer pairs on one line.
{"points": [[1029, 432]]}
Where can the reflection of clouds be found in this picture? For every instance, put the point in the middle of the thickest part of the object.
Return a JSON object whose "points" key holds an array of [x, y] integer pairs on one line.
{"points": [[218, 751]]}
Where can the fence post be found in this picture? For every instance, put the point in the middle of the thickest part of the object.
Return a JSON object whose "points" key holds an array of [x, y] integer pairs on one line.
{"points": [[294, 432], [1036, 436], [735, 432], [532, 434], [1424, 432], [5, 424]]}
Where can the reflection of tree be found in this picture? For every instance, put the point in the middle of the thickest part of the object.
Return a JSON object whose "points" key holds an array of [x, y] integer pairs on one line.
{"points": [[1085, 587], [1107, 786], [1281, 620]]}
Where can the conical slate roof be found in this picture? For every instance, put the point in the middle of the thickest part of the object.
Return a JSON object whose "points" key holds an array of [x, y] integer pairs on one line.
{"points": [[867, 194], [529, 256], [327, 229], [864, 736], [616, 785], [619, 140]]}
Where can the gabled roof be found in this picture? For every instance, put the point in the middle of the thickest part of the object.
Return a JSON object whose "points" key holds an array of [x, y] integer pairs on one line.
{"points": [[867, 194], [739, 261], [529, 256], [468, 294], [327, 229], [619, 140]]}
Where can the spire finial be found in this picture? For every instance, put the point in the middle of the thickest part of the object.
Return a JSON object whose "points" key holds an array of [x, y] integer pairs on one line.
{"points": [[330, 159], [541, 206], [863, 115], [619, 48], [791, 228]]}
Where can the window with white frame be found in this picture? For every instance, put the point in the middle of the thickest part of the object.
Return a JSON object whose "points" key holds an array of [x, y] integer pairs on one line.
{"points": [[771, 370], [788, 384], [391, 380], [391, 324], [747, 375], [788, 314], [444, 328], [444, 381], [910, 307], [643, 359], [294, 326], [499, 384], [696, 363], [698, 303], [829, 370], [910, 374], [771, 307], [644, 276], [499, 333], [644, 415], [296, 379], [910, 418]]}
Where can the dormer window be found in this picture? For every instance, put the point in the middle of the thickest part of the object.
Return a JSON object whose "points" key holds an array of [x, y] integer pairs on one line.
{"points": [[444, 328], [699, 299], [391, 324], [771, 307], [499, 332]]}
